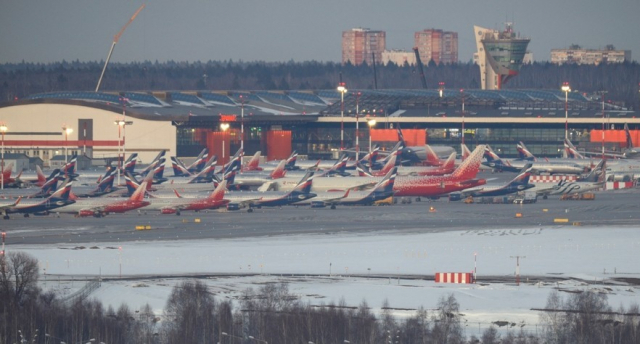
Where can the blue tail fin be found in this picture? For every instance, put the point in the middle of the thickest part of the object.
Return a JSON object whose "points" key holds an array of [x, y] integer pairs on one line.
{"points": [[386, 184], [178, 168], [304, 186]]}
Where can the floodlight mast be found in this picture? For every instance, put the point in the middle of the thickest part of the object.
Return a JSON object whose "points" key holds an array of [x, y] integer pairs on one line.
{"points": [[116, 38]]}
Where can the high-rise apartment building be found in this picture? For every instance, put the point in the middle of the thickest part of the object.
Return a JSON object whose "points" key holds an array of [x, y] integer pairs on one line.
{"points": [[361, 45], [437, 45]]}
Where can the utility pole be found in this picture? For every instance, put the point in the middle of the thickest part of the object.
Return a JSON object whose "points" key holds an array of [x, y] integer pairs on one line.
{"points": [[518, 268], [602, 94]]}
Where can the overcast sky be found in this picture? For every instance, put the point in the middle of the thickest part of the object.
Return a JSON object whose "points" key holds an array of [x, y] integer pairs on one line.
{"points": [[298, 30]]}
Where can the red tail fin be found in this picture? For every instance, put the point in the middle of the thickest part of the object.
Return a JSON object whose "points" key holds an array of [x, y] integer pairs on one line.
{"points": [[470, 167], [254, 162], [388, 166], [279, 171], [450, 162], [41, 177], [218, 193], [140, 191], [432, 158]]}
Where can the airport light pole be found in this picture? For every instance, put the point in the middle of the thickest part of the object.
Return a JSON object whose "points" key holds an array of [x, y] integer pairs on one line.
{"points": [[342, 89], [3, 129], [122, 125], [566, 89], [242, 129], [66, 131], [223, 127], [357, 126], [371, 123], [462, 92], [602, 94]]}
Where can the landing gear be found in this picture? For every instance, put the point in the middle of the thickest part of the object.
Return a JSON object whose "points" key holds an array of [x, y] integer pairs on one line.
{"points": [[26, 215], [6, 217], [250, 210], [177, 213], [418, 199], [333, 206]]}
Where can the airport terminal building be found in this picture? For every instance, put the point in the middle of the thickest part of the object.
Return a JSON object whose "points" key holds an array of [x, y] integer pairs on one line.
{"points": [[314, 123]]}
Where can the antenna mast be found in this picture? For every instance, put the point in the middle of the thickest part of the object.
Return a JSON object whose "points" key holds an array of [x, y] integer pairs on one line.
{"points": [[116, 38]]}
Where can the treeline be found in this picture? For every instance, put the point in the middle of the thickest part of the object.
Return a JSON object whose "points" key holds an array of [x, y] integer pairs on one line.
{"points": [[272, 314], [23, 79]]}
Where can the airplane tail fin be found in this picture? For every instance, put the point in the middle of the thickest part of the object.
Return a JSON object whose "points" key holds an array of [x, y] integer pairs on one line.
{"points": [[571, 151], [363, 171], [178, 169], [432, 158], [304, 186], [597, 173], [523, 176], [391, 163], [138, 195], [465, 152], [70, 167], [524, 153], [490, 155], [628, 135], [279, 171], [132, 184], [64, 192], [218, 193], [254, 163], [386, 184], [107, 181], [291, 161], [229, 177], [450, 163], [470, 167], [339, 167], [7, 171], [158, 172], [130, 164], [41, 177], [199, 163], [153, 163], [401, 138]]}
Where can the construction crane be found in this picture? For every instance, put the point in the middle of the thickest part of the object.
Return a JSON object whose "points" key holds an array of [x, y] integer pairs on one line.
{"points": [[419, 63], [116, 38]]}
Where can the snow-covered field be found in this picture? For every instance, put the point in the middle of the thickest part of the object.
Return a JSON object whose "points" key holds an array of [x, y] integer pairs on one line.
{"points": [[349, 266]]}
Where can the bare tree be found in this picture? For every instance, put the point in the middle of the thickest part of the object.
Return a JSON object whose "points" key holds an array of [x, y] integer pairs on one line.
{"points": [[447, 328]]}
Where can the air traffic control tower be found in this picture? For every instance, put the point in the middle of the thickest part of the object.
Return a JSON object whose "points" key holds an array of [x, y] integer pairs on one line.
{"points": [[500, 55]]}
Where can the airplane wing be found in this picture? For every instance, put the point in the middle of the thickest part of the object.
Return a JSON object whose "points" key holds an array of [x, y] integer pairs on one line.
{"points": [[363, 187], [10, 205], [470, 191], [336, 200], [267, 186]]}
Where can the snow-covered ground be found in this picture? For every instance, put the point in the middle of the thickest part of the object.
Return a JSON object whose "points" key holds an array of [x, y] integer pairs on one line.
{"points": [[585, 257]]}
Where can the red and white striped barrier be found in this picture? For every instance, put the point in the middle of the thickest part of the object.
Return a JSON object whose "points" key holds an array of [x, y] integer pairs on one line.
{"points": [[551, 179], [454, 277], [619, 185]]}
